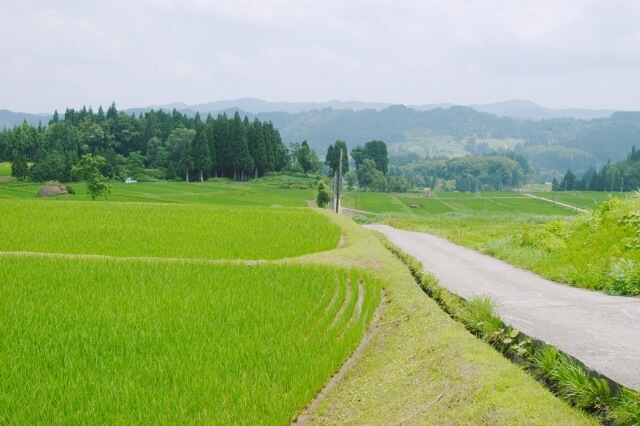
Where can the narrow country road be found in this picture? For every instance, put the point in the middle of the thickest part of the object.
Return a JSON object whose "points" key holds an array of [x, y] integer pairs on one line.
{"points": [[601, 331]]}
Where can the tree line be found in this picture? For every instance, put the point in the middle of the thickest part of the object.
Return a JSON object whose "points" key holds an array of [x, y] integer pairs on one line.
{"points": [[172, 144], [621, 176]]}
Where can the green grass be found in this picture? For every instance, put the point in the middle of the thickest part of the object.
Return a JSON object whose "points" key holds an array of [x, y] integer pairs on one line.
{"points": [[583, 199], [375, 202], [217, 193], [424, 368], [5, 169], [418, 358], [138, 342], [174, 231], [446, 202], [597, 250]]}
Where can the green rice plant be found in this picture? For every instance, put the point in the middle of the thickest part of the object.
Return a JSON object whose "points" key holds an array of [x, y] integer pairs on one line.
{"points": [[163, 230], [374, 202], [156, 342], [626, 410], [478, 315]]}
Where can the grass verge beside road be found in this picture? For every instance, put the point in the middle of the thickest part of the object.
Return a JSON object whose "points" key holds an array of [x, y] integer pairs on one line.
{"points": [[423, 367], [598, 250]]}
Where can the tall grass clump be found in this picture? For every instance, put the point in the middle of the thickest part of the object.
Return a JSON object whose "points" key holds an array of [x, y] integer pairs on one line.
{"points": [[140, 342], [571, 382], [627, 409]]}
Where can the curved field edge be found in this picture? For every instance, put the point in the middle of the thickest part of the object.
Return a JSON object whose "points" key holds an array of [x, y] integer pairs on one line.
{"points": [[104, 341], [422, 367], [163, 230]]}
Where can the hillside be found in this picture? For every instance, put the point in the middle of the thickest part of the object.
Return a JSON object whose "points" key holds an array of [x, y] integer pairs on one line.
{"points": [[550, 143]]}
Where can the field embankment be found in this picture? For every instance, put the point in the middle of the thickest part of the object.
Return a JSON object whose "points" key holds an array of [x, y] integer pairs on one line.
{"points": [[421, 366]]}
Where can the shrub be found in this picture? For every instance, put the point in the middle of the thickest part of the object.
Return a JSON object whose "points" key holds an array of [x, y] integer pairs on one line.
{"points": [[362, 220], [548, 237], [623, 278], [323, 197]]}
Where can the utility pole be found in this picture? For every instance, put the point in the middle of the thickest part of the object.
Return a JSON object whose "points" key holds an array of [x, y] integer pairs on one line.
{"points": [[339, 184], [613, 178]]}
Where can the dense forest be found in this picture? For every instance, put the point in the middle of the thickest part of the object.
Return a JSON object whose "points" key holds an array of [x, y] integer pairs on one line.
{"points": [[181, 145], [615, 177], [170, 145], [551, 146]]}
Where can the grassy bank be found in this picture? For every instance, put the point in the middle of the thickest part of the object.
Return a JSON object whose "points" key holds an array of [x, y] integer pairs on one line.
{"points": [[598, 250], [422, 367]]}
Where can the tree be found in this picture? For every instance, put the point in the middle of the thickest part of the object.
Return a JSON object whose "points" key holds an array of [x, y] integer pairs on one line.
{"points": [[179, 147], [200, 151], [89, 169], [366, 173], [19, 168], [135, 164], [305, 157], [377, 151], [374, 150], [323, 197], [333, 157]]}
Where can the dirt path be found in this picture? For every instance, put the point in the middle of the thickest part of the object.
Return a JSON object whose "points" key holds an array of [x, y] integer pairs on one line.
{"points": [[601, 331]]}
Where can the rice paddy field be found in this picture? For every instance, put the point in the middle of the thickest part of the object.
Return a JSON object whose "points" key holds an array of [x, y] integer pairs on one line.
{"points": [[136, 342], [217, 193], [221, 303], [583, 199], [129, 312], [449, 202], [188, 231], [5, 169]]}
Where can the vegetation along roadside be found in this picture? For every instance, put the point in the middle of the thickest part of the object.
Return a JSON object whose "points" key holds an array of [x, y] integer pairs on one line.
{"points": [[598, 250], [565, 376]]}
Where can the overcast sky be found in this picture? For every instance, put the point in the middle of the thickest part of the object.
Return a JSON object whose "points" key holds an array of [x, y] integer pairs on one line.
{"points": [[557, 53]]}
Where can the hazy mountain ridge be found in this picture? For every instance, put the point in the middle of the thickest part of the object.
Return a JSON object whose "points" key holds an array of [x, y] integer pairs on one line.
{"points": [[520, 109], [552, 145], [10, 119]]}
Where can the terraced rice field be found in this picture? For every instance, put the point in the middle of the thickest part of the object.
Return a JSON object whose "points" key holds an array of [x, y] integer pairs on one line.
{"points": [[93, 341], [448, 202], [216, 193], [163, 230]]}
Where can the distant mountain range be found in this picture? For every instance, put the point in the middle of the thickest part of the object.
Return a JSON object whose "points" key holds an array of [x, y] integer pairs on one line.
{"points": [[552, 140], [523, 109], [519, 109]]}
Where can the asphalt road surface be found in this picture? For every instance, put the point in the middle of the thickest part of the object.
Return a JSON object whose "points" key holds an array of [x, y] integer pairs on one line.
{"points": [[602, 331]]}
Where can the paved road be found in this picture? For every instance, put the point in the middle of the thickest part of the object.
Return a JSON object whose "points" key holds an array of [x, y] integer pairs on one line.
{"points": [[601, 331]]}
